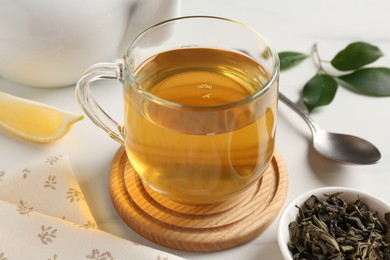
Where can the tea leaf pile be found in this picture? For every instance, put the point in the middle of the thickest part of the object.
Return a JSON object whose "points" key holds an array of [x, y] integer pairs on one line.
{"points": [[334, 229], [321, 89]]}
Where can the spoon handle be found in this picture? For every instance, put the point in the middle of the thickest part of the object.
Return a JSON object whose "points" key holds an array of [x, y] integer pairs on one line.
{"points": [[305, 116]]}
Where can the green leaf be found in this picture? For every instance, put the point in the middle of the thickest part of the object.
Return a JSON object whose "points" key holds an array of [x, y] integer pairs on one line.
{"points": [[319, 91], [289, 59], [355, 56], [369, 81]]}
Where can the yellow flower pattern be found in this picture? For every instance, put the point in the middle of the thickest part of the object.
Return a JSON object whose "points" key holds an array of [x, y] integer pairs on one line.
{"points": [[25, 173], [2, 256], [95, 254], [2, 173], [23, 209], [74, 195], [53, 159], [54, 257], [50, 182], [47, 234], [89, 225]]}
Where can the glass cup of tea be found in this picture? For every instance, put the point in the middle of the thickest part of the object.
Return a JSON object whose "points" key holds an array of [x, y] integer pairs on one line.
{"points": [[200, 103]]}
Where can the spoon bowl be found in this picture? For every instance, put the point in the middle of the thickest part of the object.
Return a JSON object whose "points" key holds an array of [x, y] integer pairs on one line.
{"points": [[345, 148], [341, 148]]}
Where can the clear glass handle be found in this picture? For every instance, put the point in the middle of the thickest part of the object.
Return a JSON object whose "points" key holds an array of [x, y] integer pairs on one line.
{"points": [[90, 106]]}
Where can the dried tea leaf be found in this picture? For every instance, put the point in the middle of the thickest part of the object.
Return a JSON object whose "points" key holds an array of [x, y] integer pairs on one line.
{"points": [[335, 229], [296, 236], [387, 218], [321, 224]]}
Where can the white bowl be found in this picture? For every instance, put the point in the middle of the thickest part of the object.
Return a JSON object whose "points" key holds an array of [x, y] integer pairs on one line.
{"points": [[290, 213]]}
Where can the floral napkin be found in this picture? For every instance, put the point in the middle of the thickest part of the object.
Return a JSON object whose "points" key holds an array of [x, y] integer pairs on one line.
{"points": [[44, 215]]}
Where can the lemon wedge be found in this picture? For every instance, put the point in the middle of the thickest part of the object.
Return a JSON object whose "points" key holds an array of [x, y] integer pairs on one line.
{"points": [[34, 121]]}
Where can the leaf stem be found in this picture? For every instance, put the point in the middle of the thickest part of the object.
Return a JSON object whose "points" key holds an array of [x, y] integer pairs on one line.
{"points": [[317, 59]]}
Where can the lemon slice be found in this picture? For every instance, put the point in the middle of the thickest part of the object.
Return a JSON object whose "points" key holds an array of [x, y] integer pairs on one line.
{"points": [[34, 121]]}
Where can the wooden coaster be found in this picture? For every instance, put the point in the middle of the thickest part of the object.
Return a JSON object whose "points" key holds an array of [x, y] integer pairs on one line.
{"points": [[191, 227]]}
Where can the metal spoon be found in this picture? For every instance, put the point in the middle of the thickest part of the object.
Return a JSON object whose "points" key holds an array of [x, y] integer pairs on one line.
{"points": [[338, 147]]}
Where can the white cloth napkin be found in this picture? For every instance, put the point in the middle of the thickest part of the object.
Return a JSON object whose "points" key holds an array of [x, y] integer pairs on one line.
{"points": [[44, 215]]}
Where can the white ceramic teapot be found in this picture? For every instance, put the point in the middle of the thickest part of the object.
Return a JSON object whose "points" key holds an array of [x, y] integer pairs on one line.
{"points": [[48, 43]]}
